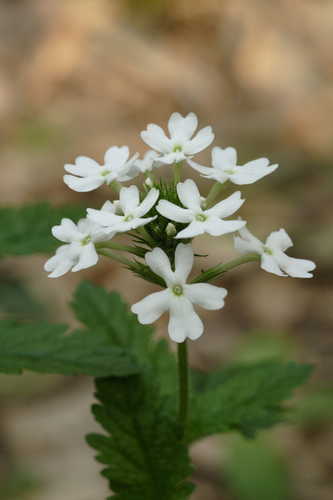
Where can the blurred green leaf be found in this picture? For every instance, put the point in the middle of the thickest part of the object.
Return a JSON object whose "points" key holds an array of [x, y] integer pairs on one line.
{"points": [[17, 301], [27, 230], [244, 398], [254, 471]]}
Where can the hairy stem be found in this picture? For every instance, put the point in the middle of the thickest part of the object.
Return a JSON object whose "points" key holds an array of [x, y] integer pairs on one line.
{"points": [[214, 192], [107, 253], [183, 373], [177, 168], [122, 248], [216, 271]]}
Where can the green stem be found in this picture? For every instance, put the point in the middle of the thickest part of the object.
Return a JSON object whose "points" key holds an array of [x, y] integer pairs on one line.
{"points": [[121, 248], [177, 168], [107, 253], [216, 271], [183, 373], [213, 193]]}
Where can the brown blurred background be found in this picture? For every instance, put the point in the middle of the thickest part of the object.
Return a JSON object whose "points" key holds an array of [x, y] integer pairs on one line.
{"points": [[79, 76]]}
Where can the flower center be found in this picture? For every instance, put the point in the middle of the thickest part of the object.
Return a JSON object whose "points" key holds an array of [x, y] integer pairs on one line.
{"points": [[201, 217], [86, 240], [177, 290], [229, 171], [128, 217], [105, 172], [268, 251], [177, 149]]}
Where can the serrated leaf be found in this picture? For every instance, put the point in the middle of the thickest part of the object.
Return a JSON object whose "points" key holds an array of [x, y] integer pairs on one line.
{"points": [[27, 230], [106, 312], [144, 455], [244, 398], [46, 348]]}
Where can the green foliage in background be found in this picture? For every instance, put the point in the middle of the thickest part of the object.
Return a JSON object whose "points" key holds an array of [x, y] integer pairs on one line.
{"points": [[142, 449], [26, 230]]}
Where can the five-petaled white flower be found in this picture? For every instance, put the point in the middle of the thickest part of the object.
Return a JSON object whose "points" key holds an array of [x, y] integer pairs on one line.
{"points": [[89, 175], [181, 144], [79, 252], [179, 297], [272, 252], [224, 167], [201, 221], [132, 211]]}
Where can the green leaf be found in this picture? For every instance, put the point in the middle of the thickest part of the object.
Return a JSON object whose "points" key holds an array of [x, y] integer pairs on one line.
{"points": [[244, 398], [27, 230], [144, 456], [106, 312], [46, 348], [255, 471]]}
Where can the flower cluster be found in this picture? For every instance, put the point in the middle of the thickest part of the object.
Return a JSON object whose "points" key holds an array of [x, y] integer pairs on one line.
{"points": [[163, 219]]}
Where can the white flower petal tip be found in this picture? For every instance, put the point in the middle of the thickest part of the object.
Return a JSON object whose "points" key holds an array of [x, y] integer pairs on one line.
{"points": [[87, 174], [127, 213], [201, 221], [224, 167], [182, 142], [273, 257], [179, 297], [79, 251]]}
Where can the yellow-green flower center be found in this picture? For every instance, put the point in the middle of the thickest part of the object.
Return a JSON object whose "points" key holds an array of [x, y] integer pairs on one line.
{"points": [[86, 240], [177, 149], [177, 290], [201, 217]]}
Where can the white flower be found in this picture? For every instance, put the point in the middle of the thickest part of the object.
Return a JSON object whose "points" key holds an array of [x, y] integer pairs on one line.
{"points": [[179, 297], [89, 175], [181, 144], [148, 162], [201, 221], [79, 252], [273, 257], [224, 167], [132, 211]]}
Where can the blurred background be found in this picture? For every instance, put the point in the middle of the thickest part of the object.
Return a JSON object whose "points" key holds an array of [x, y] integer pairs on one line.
{"points": [[77, 77]]}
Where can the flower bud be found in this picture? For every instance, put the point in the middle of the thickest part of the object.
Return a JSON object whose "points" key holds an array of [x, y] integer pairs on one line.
{"points": [[171, 229]]}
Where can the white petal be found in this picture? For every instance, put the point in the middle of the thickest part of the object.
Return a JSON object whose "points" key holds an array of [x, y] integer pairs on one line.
{"points": [[116, 156], [83, 184], [88, 257], [84, 167], [129, 199], [218, 227], [189, 194], [193, 229], [246, 242], [201, 141], [252, 171], [174, 157], [152, 307], [184, 321], [182, 127], [159, 263], [60, 263], [147, 203], [67, 231], [134, 223], [279, 240], [227, 207], [156, 139], [269, 264], [206, 295], [200, 168], [109, 207], [224, 159], [296, 268], [173, 212], [183, 262], [103, 218]]}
